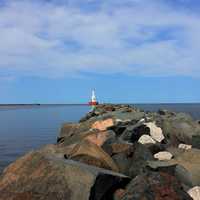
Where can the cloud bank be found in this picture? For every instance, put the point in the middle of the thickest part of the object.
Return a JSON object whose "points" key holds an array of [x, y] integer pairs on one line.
{"points": [[134, 37]]}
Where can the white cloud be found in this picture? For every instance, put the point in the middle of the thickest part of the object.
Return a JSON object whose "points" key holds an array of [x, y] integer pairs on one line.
{"points": [[134, 37]]}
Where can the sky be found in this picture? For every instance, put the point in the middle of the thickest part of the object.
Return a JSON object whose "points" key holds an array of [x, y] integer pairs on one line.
{"points": [[130, 51]]}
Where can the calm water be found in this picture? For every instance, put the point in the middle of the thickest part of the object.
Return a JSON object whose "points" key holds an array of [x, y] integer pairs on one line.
{"points": [[24, 129]]}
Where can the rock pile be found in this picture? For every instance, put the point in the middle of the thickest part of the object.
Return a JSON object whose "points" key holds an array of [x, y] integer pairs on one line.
{"points": [[116, 152]]}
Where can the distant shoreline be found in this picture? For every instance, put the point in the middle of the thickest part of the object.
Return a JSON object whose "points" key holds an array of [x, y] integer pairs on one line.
{"points": [[85, 104], [41, 104], [15, 106]]}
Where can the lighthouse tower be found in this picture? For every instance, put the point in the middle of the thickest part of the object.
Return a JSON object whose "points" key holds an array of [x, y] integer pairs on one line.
{"points": [[93, 101]]}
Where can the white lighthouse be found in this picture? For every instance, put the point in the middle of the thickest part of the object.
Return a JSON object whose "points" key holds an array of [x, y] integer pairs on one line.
{"points": [[93, 101]]}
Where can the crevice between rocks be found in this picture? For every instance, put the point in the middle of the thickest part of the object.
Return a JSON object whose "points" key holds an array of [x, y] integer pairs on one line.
{"points": [[105, 186]]}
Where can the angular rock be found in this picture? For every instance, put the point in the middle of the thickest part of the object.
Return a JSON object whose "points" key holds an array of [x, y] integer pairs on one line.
{"points": [[163, 155], [195, 193], [86, 148], [184, 146], [72, 131], [38, 176], [127, 115], [155, 148], [188, 168], [155, 131], [179, 128], [134, 132], [78, 137], [103, 125], [146, 139], [123, 162], [122, 154], [67, 130], [139, 160], [99, 138], [154, 186], [121, 147]]}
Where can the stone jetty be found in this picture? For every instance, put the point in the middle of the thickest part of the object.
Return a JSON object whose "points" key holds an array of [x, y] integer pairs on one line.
{"points": [[115, 152]]}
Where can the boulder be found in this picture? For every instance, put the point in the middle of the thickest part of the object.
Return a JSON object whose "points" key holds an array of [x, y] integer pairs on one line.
{"points": [[146, 139], [92, 154], [70, 131], [195, 193], [184, 146], [123, 162], [163, 155], [132, 133], [153, 186], [99, 138], [188, 168], [40, 176], [67, 130], [122, 154], [121, 147], [139, 160], [155, 131], [102, 125], [78, 137], [127, 115], [155, 148], [179, 128]]}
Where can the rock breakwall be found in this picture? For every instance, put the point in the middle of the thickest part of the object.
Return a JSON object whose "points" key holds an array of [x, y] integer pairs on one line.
{"points": [[115, 152]]}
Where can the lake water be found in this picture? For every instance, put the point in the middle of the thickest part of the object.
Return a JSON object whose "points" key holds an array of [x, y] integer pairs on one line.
{"points": [[24, 129]]}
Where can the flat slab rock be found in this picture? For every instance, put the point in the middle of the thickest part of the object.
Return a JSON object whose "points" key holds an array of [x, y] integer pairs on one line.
{"points": [[39, 177]]}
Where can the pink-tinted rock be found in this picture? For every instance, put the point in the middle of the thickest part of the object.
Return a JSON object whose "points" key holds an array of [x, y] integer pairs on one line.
{"points": [[41, 176], [99, 138], [102, 125]]}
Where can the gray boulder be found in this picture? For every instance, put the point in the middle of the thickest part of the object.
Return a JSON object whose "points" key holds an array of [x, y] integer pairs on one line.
{"points": [[139, 160], [179, 128], [39, 176]]}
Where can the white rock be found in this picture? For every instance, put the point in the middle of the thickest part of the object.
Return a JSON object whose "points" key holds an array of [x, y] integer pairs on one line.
{"points": [[163, 155], [195, 192], [184, 146], [155, 131], [141, 120], [146, 139]]}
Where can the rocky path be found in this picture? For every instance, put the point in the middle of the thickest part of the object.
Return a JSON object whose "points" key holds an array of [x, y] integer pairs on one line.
{"points": [[116, 152]]}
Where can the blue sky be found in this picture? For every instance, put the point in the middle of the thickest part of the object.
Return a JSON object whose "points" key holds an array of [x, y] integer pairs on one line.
{"points": [[135, 51]]}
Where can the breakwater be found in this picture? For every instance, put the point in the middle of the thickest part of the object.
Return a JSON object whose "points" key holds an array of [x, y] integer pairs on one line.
{"points": [[114, 152]]}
